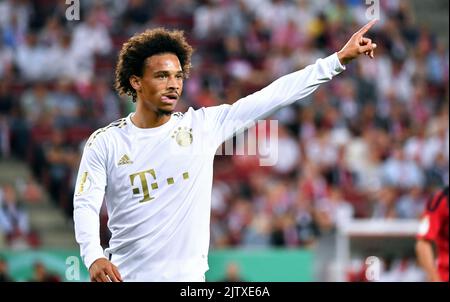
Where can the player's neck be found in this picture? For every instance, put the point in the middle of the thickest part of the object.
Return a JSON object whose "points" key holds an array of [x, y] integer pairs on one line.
{"points": [[149, 119]]}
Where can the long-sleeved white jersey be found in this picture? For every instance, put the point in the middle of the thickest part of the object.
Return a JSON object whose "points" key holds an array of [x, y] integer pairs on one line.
{"points": [[157, 181]]}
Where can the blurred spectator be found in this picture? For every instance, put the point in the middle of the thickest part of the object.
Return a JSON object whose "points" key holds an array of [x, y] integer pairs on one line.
{"points": [[4, 272], [66, 105], [384, 203], [6, 100], [6, 110], [104, 103], [410, 205], [30, 190], [58, 155], [15, 17], [321, 151], [66, 62], [306, 225], [232, 273], [14, 220], [51, 32], [312, 184], [401, 172], [32, 58], [6, 59], [37, 103], [400, 270], [257, 233], [40, 274], [208, 19], [284, 231], [5, 147], [333, 211], [139, 11], [90, 38], [288, 152]]}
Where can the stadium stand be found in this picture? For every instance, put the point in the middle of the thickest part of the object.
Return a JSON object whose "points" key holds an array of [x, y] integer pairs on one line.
{"points": [[373, 143]]}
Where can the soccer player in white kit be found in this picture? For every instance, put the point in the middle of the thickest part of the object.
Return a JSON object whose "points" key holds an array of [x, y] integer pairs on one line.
{"points": [[148, 167]]}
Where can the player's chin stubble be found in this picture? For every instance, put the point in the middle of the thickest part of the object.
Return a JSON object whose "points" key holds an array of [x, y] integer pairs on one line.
{"points": [[162, 112]]}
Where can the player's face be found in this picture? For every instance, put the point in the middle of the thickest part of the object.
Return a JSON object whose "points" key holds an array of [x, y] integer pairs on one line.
{"points": [[161, 83]]}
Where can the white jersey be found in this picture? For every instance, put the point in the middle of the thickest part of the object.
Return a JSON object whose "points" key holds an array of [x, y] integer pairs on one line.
{"points": [[157, 181]]}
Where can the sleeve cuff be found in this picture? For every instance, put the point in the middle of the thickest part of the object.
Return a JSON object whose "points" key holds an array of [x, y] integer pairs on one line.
{"points": [[335, 64]]}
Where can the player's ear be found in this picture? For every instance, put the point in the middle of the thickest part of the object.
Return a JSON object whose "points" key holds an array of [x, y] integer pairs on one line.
{"points": [[135, 83]]}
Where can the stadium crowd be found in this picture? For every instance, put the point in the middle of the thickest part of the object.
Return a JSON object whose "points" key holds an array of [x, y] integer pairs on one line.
{"points": [[374, 142]]}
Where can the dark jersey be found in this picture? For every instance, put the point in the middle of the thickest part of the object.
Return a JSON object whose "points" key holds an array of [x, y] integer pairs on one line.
{"points": [[434, 227]]}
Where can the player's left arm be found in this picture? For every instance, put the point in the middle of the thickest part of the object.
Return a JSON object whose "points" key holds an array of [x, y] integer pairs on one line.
{"points": [[285, 90]]}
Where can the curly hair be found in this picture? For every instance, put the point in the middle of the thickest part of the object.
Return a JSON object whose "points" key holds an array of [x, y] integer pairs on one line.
{"points": [[141, 46]]}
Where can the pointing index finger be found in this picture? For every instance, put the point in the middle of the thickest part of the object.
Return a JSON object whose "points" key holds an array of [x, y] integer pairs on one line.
{"points": [[366, 27]]}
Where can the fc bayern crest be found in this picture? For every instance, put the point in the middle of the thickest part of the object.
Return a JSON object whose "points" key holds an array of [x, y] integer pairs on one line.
{"points": [[183, 136]]}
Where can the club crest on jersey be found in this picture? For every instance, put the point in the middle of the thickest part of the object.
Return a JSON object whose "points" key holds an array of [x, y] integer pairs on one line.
{"points": [[183, 136]]}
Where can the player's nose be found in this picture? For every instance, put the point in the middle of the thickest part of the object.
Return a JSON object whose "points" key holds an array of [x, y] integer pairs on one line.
{"points": [[173, 83]]}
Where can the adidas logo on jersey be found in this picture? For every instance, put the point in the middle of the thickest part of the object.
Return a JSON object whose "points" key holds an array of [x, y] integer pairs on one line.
{"points": [[124, 160]]}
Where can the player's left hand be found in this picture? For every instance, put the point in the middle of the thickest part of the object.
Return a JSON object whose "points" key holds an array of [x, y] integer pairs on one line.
{"points": [[357, 45]]}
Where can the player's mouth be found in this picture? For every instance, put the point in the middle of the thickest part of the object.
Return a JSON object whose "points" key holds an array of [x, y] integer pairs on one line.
{"points": [[169, 98]]}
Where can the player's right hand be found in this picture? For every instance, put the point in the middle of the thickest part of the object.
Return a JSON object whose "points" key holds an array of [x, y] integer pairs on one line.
{"points": [[357, 45], [102, 270]]}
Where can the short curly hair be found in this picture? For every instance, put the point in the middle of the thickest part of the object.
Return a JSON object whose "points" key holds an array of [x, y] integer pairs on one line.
{"points": [[141, 46]]}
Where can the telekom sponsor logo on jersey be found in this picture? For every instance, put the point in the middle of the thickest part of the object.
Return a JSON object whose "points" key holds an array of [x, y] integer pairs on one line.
{"points": [[258, 139]]}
